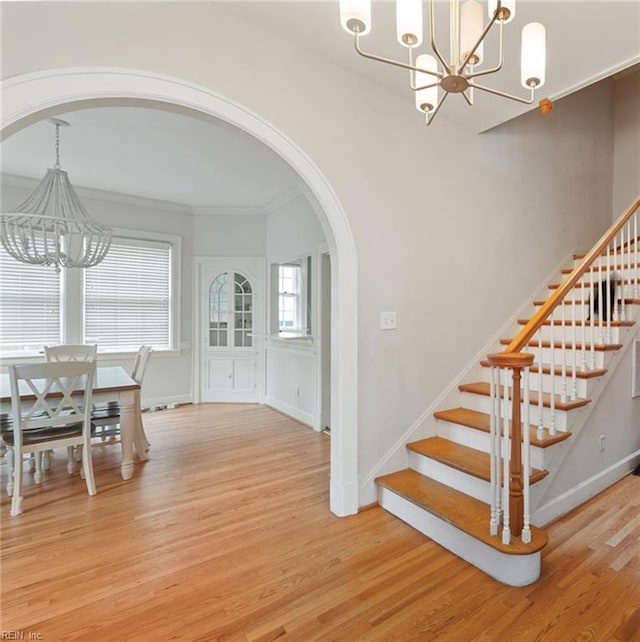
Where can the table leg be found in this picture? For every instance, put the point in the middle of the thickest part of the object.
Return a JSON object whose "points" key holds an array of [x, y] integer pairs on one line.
{"points": [[129, 414]]}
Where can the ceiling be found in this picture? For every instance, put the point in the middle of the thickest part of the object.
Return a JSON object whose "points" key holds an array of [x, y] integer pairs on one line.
{"points": [[205, 163]]}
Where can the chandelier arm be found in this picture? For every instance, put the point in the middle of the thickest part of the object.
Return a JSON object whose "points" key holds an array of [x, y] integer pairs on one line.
{"points": [[498, 67], [468, 98], [433, 84], [395, 63], [432, 37], [495, 92], [429, 118], [483, 35]]}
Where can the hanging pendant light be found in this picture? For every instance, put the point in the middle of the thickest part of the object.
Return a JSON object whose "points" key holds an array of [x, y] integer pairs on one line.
{"points": [[461, 72], [52, 227]]}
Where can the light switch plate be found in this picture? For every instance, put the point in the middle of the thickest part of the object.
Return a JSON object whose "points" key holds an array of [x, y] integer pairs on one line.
{"points": [[388, 320]]}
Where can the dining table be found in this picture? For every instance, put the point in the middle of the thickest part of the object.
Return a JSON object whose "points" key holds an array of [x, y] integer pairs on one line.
{"points": [[110, 383]]}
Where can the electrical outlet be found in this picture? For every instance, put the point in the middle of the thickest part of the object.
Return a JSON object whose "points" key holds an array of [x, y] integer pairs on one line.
{"points": [[601, 442]]}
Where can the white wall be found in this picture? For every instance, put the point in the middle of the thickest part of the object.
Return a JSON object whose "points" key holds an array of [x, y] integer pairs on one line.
{"points": [[292, 365], [626, 160], [452, 230], [228, 234]]}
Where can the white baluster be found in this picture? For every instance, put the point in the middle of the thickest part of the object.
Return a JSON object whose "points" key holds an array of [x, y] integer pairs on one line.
{"points": [[636, 287], [607, 304], [552, 394], [624, 249], [526, 465], [494, 441], [585, 316], [563, 350], [506, 530], [540, 431], [592, 322], [574, 349]]}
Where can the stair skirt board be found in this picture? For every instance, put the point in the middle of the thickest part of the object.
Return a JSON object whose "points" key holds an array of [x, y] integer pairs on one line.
{"points": [[513, 570]]}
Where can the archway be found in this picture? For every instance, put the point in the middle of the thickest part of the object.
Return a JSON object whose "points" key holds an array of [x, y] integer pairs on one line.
{"points": [[37, 95]]}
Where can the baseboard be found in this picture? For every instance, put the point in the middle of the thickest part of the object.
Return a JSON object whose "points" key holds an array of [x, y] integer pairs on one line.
{"points": [[306, 418], [157, 402], [584, 491]]}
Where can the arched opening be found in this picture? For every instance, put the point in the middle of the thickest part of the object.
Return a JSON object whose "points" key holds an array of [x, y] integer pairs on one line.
{"points": [[31, 97]]}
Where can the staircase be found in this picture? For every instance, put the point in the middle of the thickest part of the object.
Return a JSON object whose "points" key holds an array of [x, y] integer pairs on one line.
{"points": [[451, 490]]}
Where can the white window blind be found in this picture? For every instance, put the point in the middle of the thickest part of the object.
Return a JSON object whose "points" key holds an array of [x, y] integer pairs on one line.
{"points": [[127, 297], [29, 305]]}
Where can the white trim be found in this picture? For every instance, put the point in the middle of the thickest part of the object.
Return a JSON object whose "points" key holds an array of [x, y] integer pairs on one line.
{"points": [[585, 490], [13, 180], [24, 96], [306, 418]]}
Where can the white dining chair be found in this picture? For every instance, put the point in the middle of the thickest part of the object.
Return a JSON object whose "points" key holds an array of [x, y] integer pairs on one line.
{"points": [[46, 414], [105, 417], [65, 352], [71, 352]]}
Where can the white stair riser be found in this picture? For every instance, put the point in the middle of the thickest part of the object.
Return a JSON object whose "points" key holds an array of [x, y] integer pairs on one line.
{"points": [[581, 312], [513, 570], [600, 358], [468, 484], [480, 440], [482, 403], [623, 258], [474, 486], [592, 334], [583, 387]]}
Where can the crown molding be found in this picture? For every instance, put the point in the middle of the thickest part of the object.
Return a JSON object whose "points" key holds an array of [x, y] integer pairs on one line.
{"points": [[14, 180], [227, 210], [280, 201]]}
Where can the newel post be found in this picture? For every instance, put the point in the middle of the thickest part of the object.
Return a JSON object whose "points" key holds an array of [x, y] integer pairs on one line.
{"points": [[517, 362]]}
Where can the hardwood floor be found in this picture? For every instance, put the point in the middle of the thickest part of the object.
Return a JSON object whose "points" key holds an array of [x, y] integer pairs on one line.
{"points": [[225, 534]]}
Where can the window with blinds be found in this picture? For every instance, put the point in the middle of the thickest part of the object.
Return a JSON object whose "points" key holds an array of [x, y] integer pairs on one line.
{"points": [[127, 297], [30, 313]]}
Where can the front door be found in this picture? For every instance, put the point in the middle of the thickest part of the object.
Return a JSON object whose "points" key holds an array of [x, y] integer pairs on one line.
{"points": [[230, 363]]}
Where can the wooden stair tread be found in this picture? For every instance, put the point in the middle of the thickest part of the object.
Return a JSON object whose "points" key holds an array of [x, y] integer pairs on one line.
{"points": [[579, 324], [627, 301], [483, 388], [481, 421], [462, 458], [618, 267], [582, 284], [546, 369], [462, 511], [534, 343]]}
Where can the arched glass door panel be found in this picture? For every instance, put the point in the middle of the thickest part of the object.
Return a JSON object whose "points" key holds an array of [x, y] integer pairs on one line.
{"points": [[219, 311], [242, 311], [230, 311]]}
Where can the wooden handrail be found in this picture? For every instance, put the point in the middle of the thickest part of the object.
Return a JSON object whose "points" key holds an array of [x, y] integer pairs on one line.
{"points": [[529, 330]]}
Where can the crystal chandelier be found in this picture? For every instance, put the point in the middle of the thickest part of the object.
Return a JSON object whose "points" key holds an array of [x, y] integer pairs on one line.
{"points": [[467, 32], [52, 226]]}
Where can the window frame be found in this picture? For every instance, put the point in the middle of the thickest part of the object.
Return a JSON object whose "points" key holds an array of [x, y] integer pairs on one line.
{"points": [[174, 242], [302, 328], [72, 303]]}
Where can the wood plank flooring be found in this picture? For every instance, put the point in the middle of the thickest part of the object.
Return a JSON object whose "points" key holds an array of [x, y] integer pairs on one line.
{"points": [[225, 534]]}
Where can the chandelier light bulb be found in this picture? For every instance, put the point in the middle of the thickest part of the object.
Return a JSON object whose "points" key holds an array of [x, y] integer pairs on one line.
{"points": [[409, 22], [471, 27], [426, 99], [533, 55], [355, 16]]}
